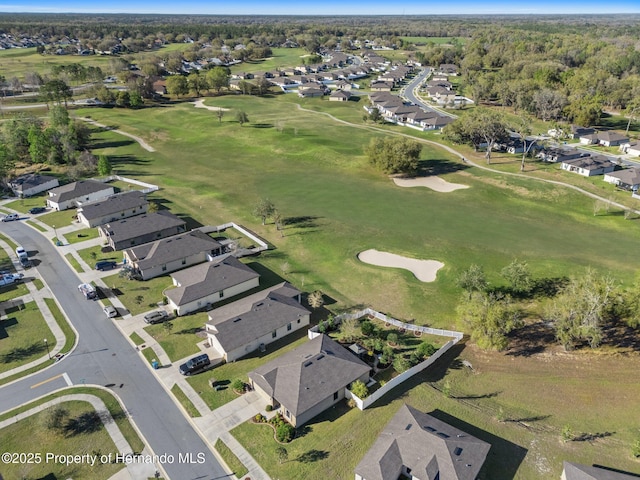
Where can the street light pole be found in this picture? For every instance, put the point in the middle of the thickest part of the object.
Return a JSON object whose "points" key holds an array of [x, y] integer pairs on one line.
{"points": [[46, 344]]}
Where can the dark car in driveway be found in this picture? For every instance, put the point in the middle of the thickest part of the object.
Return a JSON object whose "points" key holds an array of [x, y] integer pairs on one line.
{"points": [[105, 265], [36, 210]]}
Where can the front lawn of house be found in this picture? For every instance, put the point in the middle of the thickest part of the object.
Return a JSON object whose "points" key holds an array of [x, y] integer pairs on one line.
{"points": [[137, 296], [180, 340]]}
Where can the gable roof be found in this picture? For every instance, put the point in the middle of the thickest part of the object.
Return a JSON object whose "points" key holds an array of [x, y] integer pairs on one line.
{"points": [[427, 446], [628, 176], [252, 317], [171, 248], [113, 204], [609, 136], [590, 162], [575, 471], [208, 278], [305, 376], [133, 227], [30, 180], [76, 189]]}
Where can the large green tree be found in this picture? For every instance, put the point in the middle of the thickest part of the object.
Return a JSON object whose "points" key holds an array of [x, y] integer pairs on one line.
{"points": [[394, 154], [56, 91], [218, 78], [177, 85]]}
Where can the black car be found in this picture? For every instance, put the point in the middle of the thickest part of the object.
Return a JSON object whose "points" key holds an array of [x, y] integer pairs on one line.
{"points": [[105, 265], [195, 365], [35, 210]]}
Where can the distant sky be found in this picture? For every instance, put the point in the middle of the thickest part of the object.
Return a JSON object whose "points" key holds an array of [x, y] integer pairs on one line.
{"points": [[322, 7]]}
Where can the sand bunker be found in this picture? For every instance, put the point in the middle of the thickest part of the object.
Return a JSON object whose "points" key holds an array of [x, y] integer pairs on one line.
{"points": [[199, 103], [424, 270], [433, 182]]}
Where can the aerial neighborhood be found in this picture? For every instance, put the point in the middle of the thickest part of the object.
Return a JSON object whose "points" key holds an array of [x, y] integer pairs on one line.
{"points": [[319, 247]]}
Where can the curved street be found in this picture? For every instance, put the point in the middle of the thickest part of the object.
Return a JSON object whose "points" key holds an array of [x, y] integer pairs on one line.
{"points": [[102, 356]]}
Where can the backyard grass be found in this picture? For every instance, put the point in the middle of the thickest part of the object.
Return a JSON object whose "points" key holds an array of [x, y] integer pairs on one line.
{"points": [[74, 262], [82, 432], [188, 406], [226, 373], [23, 329], [180, 341], [234, 464]]}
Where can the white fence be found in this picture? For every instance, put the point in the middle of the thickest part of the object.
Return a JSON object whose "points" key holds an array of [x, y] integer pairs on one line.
{"points": [[394, 382], [147, 187], [262, 244]]}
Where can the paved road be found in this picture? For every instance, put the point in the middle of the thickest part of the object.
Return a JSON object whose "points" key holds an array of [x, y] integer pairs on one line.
{"points": [[104, 357], [408, 92]]}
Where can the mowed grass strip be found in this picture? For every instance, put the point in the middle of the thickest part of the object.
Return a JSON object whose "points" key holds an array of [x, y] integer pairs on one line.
{"points": [[74, 262], [234, 464], [187, 404], [25, 330]]}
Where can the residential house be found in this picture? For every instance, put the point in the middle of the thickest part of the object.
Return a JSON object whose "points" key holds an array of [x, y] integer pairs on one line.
{"points": [[589, 165], [310, 92], [575, 471], [589, 139], [377, 86], [251, 323], [309, 379], [343, 85], [160, 87], [203, 285], [115, 207], [419, 446], [631, 148], [558, 155], [627, 179], [577, 132], [141, 229], [339, 96], [31, 184], [448, 69], [76, 193], [167, 255], [611, 139]]}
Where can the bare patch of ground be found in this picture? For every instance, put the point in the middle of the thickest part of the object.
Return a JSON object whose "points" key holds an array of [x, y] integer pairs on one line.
{"points": [[433, 182], [199, 103], [424, 270]]}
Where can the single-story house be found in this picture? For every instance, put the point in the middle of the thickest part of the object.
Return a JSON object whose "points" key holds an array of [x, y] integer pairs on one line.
{"points": [[31, 184], [306, 381], [448, 69], [310, 92], [589, 138], [76, 193], [140, 229], [558, 155], [628, 179], [239, 328], [339, 96], [589, 165], [115, 207], [167, 255], [611, 139], [631, 148], [202, 285], [377, 86], [577, 131], [575, 471], [417, 445]]}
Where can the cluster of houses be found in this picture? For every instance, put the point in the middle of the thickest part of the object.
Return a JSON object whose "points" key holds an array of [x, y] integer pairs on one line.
{"points": [[395, 109]]}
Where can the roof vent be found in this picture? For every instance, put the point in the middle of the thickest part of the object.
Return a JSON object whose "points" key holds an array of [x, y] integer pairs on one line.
{"points": [[408, 427], [320, 357], [430, 429], [237, 320], [442, 435], [457, 451], [307, 364]]}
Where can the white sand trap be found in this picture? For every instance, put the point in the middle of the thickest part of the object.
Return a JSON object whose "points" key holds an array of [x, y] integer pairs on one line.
{"points": [[434, 183], [199, 103], [424, 270]]}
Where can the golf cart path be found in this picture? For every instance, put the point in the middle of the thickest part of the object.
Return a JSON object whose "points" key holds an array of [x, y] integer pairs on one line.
{"points": [[142, 143]]}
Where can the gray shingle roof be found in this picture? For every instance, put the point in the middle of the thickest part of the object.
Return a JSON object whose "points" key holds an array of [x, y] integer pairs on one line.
{"points": [[252, 317], [30, 180], [629, 176], [208, 278], [303, 377], [427, 446], [139, 225], [113, 204], [172, 248], [590, 162], [575, 471], [76, 189]]}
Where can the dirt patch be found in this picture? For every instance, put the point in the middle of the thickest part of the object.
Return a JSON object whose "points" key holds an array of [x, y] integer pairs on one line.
{"points": [[435, 183]]}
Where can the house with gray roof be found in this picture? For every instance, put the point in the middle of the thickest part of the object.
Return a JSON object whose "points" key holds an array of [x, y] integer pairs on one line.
{"points": [[76, 193], [167, 255], [239, 328], [417, 445], [31, 184], [115, 207], [306, 381], [627, 179], [611, 139], [631, 148], [339, 96], [575, 471], [134, 231], [589, 165], [203, 285]]}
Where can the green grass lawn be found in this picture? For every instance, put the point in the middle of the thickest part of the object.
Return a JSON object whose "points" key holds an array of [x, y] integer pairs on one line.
{"points": [[136, 339], [82, 235], [189, 407], [180, 341], [138, 296], [234, 464], [23, 205], [92, 255], [36, 226], [25, 331], [281, 58], [81, 432], [74, 262], [13, 290], [60, 219]]}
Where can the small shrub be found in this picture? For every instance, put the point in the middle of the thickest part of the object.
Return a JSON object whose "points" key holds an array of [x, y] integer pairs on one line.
{"points": [[567, 433], [426, 349], [446, 389], [635, 449], [367, 328], [285, 432], [322, 327], [359, 389], [331, 322], [351, 403], [269, 408], [392, 338], [259, 418], [238, 385], [401, 364], [387, 355]]}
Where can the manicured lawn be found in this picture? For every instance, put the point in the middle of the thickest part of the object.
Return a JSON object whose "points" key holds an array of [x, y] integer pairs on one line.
{"points": [[191, 410], [24, 330], [60, 219], [36, 226], [19, 61], [74, 263], [136, 339], [92, 255], [82, 432], [38, 283], [82, 235], [282, 57], [138, 296], [235, 465], [69, 333], [180, 341], [13, 290], [12, 245], [225, 374], [23, 205]]}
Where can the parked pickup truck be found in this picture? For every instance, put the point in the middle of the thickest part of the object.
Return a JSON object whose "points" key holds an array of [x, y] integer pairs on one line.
{"points": [[9, 278], [88, 290]]}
